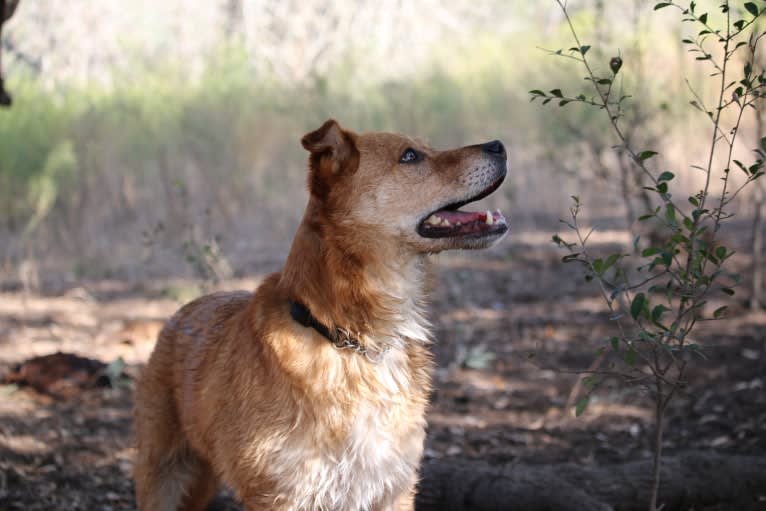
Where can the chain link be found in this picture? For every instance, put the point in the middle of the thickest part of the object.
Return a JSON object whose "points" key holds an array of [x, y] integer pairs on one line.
{"points": [[345, 340]]}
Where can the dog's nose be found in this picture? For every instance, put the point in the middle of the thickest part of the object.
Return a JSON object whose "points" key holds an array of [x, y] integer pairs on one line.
{"points": [[495, 148]]}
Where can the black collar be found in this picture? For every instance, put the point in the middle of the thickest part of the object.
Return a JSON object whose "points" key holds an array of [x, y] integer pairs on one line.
{"points": [[339, 338]]}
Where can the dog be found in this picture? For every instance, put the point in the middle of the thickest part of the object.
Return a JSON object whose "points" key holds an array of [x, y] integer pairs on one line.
{"points": [[310, 393]]}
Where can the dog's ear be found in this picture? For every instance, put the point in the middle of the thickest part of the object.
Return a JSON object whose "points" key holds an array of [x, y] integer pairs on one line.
{"points": [[329, 138], [333, 152]]}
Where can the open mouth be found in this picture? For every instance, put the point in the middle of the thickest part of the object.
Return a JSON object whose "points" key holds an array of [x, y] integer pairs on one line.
{"points": [[449, 221]]}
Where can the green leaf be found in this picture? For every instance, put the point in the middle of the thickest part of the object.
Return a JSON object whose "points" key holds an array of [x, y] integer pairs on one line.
{"points": [[698, 213], [537, 92], [694, 201], [571, 257], [727, 290], [696, 349], [598, 266], [645, 155], [720, 311], [630, 357], [662, 188], [703, 18], [763, 144], [581, 405], [661, 5], [611, 260], [638, 305], [114, 371], [615, 342], [557, 93], [741, 166], [584, 49], [657, 312], [589, 382], [720, 253], [670, 213], [648, 252], [666, 176], [751, 8]]}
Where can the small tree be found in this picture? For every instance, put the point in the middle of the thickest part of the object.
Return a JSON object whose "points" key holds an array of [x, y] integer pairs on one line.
{"points": [[657, 303]]}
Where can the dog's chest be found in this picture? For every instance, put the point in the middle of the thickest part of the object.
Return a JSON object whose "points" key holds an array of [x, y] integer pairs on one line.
{"points": [[374, 459]]}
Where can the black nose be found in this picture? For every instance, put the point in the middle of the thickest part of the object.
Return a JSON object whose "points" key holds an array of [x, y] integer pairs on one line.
{"points": [[495, 148]]}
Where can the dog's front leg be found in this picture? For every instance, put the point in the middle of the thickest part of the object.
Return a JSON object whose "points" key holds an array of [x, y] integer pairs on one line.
{"points": [[262, 499], [405, 501]]}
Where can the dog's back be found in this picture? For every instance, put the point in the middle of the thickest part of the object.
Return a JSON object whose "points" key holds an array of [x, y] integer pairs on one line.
{"points": [[169, 473]]}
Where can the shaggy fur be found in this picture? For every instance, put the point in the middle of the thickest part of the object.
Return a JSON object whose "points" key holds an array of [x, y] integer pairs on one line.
{"points": [[237, 391]]}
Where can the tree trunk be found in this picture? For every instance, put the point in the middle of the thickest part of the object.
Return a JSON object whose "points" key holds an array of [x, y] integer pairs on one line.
{"points": [[756, 289], [691, 480], [234, 20], [759, 196]]}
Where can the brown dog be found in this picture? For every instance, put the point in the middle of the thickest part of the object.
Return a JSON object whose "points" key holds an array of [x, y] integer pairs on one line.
{"points": [[251, 388]]}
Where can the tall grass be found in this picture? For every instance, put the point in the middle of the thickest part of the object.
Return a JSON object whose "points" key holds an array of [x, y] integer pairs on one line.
{"points": [[84, 171]]}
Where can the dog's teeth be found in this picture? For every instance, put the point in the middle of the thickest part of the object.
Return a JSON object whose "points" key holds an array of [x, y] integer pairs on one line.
{"points": [[490, 220], [445, 222], [433, 220]]}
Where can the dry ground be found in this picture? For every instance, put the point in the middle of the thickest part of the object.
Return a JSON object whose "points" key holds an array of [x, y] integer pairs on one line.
{"points": [[490, 310]]}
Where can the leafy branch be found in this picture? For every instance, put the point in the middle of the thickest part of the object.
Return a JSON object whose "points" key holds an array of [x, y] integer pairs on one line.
{"points": [[656, 314]]}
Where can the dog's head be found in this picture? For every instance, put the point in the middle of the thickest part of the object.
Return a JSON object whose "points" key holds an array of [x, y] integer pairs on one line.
{"points": [[401, 190]]}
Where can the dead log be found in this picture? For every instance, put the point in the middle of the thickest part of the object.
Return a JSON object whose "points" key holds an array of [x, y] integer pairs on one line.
{"points": [[690, 480], [61, 375]]}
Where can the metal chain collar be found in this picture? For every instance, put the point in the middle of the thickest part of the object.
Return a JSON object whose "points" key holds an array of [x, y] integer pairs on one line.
{"points": [[345, 340]]}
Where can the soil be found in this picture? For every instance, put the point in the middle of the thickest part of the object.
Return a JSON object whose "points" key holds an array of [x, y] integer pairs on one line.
{"points": [[509, 325]]}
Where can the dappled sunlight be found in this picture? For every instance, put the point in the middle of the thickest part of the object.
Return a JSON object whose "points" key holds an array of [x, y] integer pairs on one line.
{"points": [[23, 445], [153, 155]]}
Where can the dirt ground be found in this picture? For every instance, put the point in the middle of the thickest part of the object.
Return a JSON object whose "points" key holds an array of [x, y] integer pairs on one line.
{"points": [[492, 402]]}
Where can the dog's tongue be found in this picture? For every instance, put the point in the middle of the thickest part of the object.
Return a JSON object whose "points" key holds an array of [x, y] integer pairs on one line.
{"points": [[463, 222]]}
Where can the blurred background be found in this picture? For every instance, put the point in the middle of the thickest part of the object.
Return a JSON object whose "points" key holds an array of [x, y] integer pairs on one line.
{"points": [[153, 153], [143, 131]]}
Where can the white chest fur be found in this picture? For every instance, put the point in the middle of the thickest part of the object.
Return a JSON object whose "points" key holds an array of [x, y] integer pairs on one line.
{"points": [[374, 460]]}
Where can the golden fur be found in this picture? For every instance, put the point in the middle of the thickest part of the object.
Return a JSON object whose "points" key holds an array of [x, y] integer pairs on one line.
{"points": [[237, 391]]}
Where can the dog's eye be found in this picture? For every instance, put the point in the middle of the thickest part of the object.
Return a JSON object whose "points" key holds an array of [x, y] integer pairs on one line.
{"points": [[409, 156]]}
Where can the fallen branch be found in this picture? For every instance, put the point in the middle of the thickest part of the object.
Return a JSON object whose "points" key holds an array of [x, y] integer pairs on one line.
{"points": [[690, 480]]}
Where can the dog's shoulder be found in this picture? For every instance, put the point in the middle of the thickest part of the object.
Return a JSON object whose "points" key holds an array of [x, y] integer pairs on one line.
{"points": [[206, 312]]}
